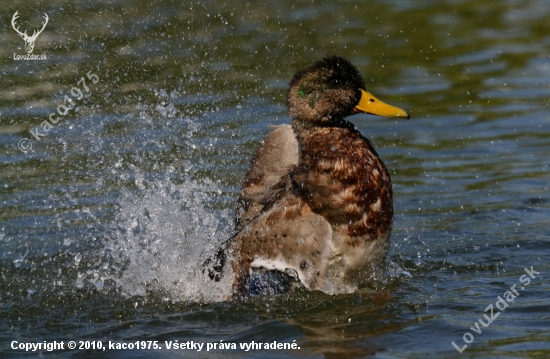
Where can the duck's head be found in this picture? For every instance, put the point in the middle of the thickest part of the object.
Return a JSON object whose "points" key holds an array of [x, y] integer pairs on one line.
{"points": [[332, 89]]}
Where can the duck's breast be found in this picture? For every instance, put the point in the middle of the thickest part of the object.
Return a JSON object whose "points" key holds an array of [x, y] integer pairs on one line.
{"points": [[341, 177]]}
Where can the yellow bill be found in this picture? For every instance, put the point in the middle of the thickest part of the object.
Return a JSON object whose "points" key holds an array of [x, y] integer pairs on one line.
{"points": [[371, 105]]}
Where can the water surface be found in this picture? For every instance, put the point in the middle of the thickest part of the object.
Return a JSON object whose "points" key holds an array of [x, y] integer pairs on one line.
{"points": [[105, 221]]}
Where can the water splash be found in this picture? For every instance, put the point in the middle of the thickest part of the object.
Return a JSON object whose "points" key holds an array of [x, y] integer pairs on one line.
{"points": [[163, 235], [163, 231]]}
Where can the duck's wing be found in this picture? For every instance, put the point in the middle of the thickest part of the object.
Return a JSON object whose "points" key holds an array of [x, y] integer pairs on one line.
{"points": [[287, 238], [262, 186], [275, 155]]}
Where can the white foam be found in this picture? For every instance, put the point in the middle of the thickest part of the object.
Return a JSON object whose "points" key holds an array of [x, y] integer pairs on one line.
{"points": [[165, 233]]}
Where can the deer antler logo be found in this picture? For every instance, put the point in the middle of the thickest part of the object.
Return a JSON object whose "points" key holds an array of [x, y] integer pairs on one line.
{"points": [[29, 40]]}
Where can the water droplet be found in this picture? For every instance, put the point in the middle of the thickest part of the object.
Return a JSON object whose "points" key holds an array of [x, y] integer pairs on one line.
{"points": [[77, 258]]}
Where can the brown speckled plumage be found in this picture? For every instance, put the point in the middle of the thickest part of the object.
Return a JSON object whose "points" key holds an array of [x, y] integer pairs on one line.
{"points": [[343, 180], [317, 199]]}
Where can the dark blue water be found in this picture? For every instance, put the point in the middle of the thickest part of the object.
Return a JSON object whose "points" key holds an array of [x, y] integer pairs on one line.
{"points": [[105, 220]]}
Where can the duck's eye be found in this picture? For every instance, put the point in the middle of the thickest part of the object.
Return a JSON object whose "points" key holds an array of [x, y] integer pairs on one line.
{"points": [[335, 82]]}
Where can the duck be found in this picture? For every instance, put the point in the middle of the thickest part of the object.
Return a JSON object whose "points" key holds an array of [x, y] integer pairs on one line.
{"points": [[316, 206]]}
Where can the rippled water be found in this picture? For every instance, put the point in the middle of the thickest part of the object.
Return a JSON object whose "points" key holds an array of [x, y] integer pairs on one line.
{"points": [[105, 221]]}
